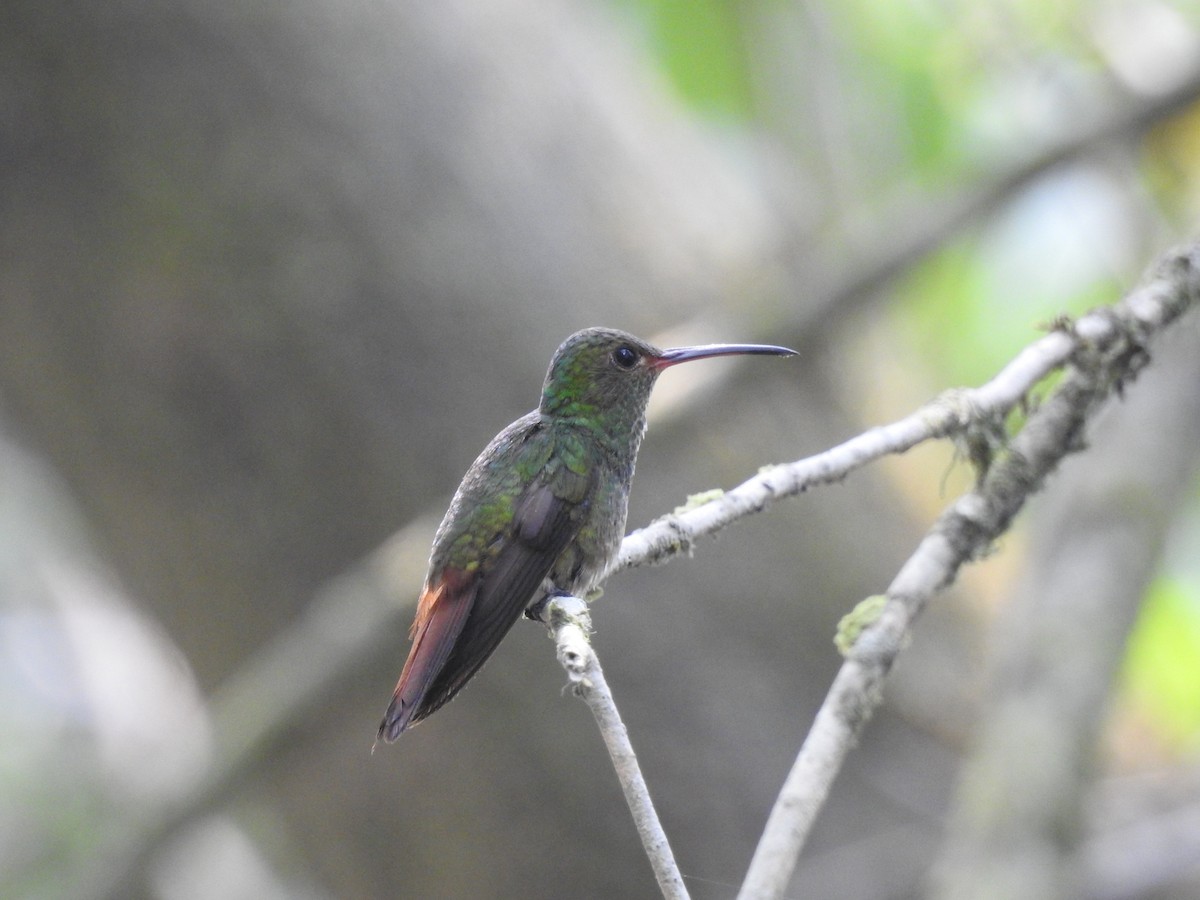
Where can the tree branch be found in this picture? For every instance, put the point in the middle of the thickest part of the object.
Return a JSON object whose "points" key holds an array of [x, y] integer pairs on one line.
{"points": [[976, 416], [1095, 546], [570, 624], [1105, 349]]}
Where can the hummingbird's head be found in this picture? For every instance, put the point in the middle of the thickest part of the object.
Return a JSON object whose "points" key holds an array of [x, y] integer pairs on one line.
{"points": [[598, 371], [605, 375]]}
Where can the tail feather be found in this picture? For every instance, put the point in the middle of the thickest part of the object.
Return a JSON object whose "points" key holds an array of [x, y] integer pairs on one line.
{"points": [[441, 614]]}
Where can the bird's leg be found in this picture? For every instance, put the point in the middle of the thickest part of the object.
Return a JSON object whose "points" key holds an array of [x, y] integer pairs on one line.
{"points": [[537, 609]]}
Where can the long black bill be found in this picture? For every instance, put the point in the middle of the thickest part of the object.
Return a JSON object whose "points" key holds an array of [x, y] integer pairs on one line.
{"points": [[685, 354]]}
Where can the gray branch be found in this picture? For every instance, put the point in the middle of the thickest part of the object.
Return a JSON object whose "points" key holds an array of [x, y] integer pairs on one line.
{"points": [[1105, 350], [570, 625], [1095, 546], [973, 415]]}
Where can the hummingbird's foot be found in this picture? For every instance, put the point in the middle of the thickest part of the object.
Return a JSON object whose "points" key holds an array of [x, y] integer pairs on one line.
{"points": [[537, 610]]}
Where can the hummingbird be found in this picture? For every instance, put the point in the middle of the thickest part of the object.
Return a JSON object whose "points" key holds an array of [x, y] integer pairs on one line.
{"points": [[540, 513]]}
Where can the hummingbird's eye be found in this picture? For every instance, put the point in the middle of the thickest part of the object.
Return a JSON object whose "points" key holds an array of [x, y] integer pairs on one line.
{"points": [[624, 357]]}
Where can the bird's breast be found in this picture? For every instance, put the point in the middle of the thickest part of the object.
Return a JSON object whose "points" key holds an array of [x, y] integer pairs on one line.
{"points": [[583, 562]]}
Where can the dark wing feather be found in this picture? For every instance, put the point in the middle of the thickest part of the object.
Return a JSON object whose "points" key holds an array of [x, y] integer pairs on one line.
{"points": [[546, 519]]}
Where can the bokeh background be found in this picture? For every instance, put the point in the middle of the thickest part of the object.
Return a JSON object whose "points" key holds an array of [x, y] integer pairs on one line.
{"points": [[272, 273]]}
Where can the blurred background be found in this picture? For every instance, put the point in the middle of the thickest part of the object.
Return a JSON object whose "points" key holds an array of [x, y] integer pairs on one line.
{"points": [[272, 274]]}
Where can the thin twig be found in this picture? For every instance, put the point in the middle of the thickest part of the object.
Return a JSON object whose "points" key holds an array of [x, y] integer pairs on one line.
{"points": [[570, 626], [1108, 348], [975, 415]]}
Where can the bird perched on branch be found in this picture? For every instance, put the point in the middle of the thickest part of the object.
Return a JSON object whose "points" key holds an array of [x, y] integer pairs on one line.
{"points": [[540, 512]]}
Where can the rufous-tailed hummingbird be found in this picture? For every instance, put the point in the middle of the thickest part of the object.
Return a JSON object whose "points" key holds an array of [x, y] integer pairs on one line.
{"points": [[540, 512]]}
